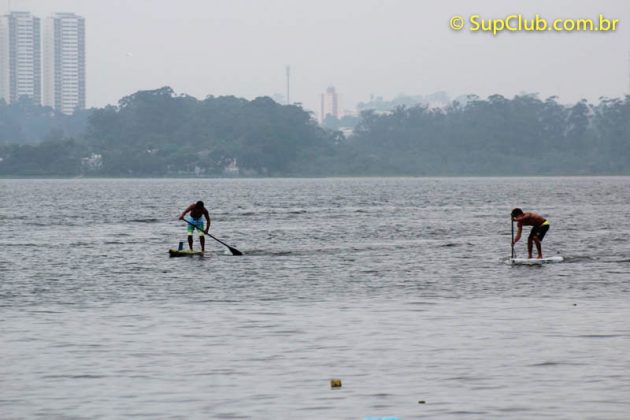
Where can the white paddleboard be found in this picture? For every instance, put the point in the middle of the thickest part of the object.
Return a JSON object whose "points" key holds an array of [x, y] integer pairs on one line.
{"points": [[535, 261]]}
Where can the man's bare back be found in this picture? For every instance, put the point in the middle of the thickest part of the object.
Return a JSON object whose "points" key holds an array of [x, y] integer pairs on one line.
{"points": [[530, 218], [196, 213]]}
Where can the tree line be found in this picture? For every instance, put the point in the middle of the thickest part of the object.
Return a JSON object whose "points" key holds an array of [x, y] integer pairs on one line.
{"points": [[161, 133], [497, 136]]}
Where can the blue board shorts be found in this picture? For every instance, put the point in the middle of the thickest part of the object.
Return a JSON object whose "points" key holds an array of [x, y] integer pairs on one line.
{"points": [[198, 223]]}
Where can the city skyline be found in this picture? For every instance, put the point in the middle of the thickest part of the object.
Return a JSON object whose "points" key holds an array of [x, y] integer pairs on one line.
{"points": [[45, 64], [363, 48]]}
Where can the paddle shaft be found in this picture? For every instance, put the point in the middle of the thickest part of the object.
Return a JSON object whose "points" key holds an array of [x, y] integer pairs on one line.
{"points": [[512, 242], [233, 250]]}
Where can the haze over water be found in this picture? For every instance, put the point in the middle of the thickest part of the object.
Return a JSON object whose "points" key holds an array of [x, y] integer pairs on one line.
{"points": [[397, 286]]}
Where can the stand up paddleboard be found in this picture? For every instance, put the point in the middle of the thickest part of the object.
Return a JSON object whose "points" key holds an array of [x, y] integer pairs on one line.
{"points": [[183, 253], [535, 261]]}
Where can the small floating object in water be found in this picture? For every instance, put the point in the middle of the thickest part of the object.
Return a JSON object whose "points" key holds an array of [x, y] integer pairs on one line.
{"points": [[422, 402], [335, 383]]}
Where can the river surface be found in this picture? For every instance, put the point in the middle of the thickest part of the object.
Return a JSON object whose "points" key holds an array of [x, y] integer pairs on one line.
{"points": [[398, 287]]}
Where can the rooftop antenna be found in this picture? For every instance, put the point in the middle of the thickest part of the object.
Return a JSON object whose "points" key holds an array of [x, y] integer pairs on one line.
{"points": [[288, 85]]}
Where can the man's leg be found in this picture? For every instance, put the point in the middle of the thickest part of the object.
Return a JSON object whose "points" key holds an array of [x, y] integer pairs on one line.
{"points": [[190, 242], [529, 246], [538, 247], [202, 241], [540, 236]]}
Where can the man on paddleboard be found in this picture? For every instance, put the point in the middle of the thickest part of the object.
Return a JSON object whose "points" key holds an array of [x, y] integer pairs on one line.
{"points": [[539, 224], [194, 222]]}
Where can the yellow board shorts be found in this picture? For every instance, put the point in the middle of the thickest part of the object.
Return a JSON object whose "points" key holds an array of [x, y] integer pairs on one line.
{"points": [[540, 231]]}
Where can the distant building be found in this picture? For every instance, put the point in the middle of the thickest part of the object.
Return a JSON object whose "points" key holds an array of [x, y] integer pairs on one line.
{"points": [[64, 62], [92, 163], [231, 168], [20, 57], [330, 105], [347, 131], [381, 106]]}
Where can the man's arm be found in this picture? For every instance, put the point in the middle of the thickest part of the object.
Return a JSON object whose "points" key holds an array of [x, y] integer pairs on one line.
{"points": [[189, 208], [518, 232], [207, 216]]}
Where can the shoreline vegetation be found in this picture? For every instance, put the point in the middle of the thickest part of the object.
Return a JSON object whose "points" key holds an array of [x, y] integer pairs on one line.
{"points": [[161, 134]]}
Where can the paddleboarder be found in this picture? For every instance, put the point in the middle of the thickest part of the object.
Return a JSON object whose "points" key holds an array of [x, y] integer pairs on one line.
{"points": [[539, 225], [195, 222]]}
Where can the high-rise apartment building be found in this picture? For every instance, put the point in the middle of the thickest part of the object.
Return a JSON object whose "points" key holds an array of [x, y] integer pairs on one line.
{"points": [[330, 104], [64, 62], [20, 57]]}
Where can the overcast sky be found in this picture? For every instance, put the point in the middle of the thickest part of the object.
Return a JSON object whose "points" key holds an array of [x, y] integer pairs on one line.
{"points": [[362, 47]]}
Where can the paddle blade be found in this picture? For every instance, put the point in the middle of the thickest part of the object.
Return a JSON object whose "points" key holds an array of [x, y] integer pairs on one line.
{"points": [[234, 251]]}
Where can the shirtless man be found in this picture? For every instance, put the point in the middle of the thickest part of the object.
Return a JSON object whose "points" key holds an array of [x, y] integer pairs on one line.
{"points": [[539, 224], [194, 221]]}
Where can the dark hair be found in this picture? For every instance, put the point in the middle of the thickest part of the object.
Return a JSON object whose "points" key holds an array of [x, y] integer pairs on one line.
{"points": [[517, 212], [199, 204]]}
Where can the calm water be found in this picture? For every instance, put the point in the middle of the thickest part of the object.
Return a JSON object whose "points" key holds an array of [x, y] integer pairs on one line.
{"points": [[395, 286]]}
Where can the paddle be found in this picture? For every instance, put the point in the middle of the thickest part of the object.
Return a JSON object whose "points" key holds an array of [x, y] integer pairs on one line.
{"points": [[233, 250], [513, 256]]}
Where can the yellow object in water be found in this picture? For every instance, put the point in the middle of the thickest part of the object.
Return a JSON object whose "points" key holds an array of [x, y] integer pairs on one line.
{"points": [[335, 383]]}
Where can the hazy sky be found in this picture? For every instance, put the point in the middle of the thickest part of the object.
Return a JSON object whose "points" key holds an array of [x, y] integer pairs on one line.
{"points": [[362, 47]]}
